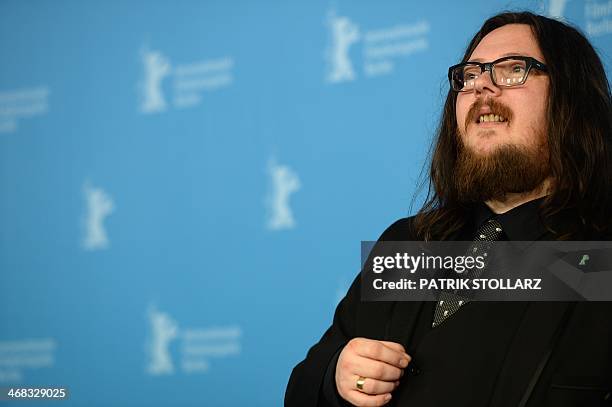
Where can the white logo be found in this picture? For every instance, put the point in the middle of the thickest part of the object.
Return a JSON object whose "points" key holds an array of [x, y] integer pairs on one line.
{"points": [[16, 356], [188, 81], [156, 68], [191, 80], [20, 103], [381, 48], [284, 183], [99, 206], [344, 33], [556, 8], [163, 330], [196, 345], [598, 18]]}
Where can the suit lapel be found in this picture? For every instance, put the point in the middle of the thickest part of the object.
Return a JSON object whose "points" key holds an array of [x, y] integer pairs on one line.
{"points": [[404, 317]]}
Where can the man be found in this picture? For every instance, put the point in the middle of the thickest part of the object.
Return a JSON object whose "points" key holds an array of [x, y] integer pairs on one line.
{"points": [[524, 150]]}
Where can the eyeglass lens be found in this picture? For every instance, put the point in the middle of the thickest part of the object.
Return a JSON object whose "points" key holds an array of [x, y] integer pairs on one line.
{"points": [[510, 72]]}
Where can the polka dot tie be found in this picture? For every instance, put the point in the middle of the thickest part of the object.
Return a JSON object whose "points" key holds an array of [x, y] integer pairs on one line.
{"points": [[449, 303]]}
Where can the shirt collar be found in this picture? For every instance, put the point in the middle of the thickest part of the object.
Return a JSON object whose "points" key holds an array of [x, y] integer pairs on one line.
{"points": [[520, 223]]}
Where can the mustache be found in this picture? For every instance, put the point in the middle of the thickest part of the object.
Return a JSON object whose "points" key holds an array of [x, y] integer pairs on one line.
{"points": [[495, 106]]}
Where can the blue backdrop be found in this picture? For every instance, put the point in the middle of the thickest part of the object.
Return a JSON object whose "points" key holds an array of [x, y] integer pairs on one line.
{"points": [[184, 185]]}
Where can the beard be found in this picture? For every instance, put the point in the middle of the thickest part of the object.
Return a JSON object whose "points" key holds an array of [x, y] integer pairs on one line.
{"points": [[509, 168]]}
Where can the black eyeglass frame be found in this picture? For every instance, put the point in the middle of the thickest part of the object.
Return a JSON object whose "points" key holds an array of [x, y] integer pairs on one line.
{"points": [[488, 66]]}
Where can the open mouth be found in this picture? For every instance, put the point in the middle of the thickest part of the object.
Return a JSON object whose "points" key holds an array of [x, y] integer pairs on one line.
{"points": [[491, 118]]}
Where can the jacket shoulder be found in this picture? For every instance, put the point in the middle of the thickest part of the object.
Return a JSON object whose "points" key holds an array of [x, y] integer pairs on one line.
{"points": [[401, 230]]}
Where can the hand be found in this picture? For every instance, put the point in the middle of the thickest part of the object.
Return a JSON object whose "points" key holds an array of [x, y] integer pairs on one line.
{"points": [[382, 364]]}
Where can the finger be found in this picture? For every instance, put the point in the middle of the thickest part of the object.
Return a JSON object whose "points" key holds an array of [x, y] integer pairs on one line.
{"points": [[375, 369], [361, 399], [395, 346], [378, 351], [371, 386]]}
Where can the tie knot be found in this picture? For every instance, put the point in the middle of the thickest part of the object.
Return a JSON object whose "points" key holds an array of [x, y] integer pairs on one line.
{"points": [[489, 231]]}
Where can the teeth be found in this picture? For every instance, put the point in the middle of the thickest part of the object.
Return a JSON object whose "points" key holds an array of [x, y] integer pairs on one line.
{"points": [[491, 118]]}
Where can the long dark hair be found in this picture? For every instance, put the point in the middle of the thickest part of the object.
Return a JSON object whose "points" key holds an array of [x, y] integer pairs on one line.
{"points": [[579, 137]]}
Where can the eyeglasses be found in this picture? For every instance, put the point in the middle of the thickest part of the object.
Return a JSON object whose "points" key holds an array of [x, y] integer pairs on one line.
{"points": [[505, 72]]}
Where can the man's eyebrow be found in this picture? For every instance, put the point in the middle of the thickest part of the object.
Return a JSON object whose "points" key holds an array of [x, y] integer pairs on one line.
{"points": [[507, 54]]}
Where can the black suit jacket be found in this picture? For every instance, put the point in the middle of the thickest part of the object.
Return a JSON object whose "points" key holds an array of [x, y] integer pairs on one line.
{"points": [[487, 354]]}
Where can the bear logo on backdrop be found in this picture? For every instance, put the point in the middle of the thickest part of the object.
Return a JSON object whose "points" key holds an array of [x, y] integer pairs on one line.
{"points": [[156, 68], [163, 330], [189, 81], [556, 8], [381, 48], [344, 33], [284, 182], [99, 206], [196, 346]]}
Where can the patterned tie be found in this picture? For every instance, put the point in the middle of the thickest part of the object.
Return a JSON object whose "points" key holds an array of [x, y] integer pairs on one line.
{"points": [[450, 303]]}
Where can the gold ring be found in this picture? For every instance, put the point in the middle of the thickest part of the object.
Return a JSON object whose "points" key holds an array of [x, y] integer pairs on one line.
{"points": [[360, 382]]}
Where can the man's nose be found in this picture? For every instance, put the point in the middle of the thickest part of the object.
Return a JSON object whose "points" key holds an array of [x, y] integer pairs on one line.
{"points": [[484, 86]]}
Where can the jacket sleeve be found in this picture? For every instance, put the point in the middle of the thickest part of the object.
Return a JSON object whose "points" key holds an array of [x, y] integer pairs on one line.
{"points": [[312, 381]]}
